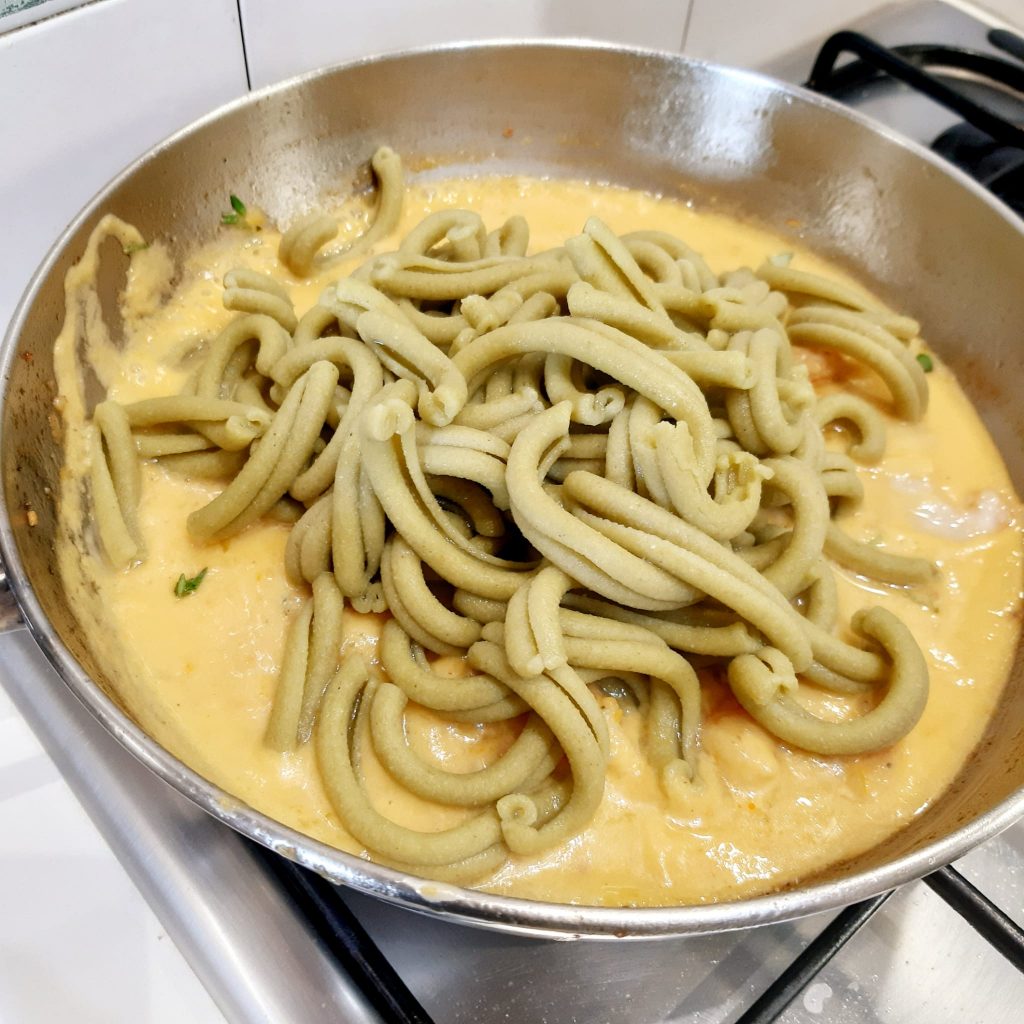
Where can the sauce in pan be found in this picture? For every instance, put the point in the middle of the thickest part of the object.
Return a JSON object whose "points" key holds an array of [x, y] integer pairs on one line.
{"points": [[199, 673]]}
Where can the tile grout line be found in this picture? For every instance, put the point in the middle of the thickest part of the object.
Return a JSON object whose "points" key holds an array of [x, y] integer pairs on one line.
{"points": [[686, 26], [245, 52]]}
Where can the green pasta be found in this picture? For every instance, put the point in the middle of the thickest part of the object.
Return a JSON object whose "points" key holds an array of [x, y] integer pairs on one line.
{"points": [[302, 243], [249, 292], [115, 484], [341, 775], [284, 449], [532, 752], [593, 474], [478, 695], [763, 683]]}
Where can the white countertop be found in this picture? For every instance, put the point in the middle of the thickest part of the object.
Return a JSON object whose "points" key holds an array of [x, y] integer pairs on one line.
{"points": [[83, 91], [67, 902]]}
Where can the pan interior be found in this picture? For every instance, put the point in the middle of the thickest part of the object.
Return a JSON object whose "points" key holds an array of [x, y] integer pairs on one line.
{"points": [[910, 231]]}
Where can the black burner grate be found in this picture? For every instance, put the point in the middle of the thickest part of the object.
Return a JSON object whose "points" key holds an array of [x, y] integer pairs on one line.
{"points": [[359, 956], [772, 1003], [999, 168], [971, 904], [340, 932], [988, 145], [981, 913]]}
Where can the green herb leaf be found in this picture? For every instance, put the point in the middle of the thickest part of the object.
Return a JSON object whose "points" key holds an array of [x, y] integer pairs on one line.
{"points": [[237, 214], [134, 247], [926, 361], [188, 585]]}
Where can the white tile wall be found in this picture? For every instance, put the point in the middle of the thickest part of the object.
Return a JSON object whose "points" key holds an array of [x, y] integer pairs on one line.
{"points": [[747, 33], [284, 39], [15, 13], [1009, 11], [84, 93]]}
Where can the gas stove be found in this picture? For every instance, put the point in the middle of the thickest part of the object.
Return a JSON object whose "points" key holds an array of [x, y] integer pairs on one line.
{"points": [[940, 75], [272, 943]]}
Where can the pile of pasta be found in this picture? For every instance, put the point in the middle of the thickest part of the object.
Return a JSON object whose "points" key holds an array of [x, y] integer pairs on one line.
{"points": [[599, 462]]}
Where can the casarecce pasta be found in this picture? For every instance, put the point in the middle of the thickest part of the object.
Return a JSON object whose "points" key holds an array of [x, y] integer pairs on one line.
{"points": [[599, 462]]}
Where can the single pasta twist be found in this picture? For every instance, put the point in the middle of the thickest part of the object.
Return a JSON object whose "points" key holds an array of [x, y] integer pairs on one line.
{"points": [[247, 291], [302, 242]]}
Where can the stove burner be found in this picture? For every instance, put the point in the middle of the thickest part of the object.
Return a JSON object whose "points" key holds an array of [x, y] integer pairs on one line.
{"points": [[999, 168], [989, 144]]}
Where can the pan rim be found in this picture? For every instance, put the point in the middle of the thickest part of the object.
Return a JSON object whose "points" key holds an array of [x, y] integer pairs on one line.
{"points": [[467, 906]]}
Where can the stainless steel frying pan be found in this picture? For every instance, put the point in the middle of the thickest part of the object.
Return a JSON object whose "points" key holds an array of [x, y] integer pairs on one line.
{"points": [[911, 229]]}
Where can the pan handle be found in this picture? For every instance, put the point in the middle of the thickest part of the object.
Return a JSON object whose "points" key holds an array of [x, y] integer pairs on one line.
{"points": [[10, 616]]}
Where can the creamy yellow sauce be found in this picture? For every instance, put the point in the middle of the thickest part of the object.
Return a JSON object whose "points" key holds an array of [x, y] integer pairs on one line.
{"points": [[199, 673]]}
